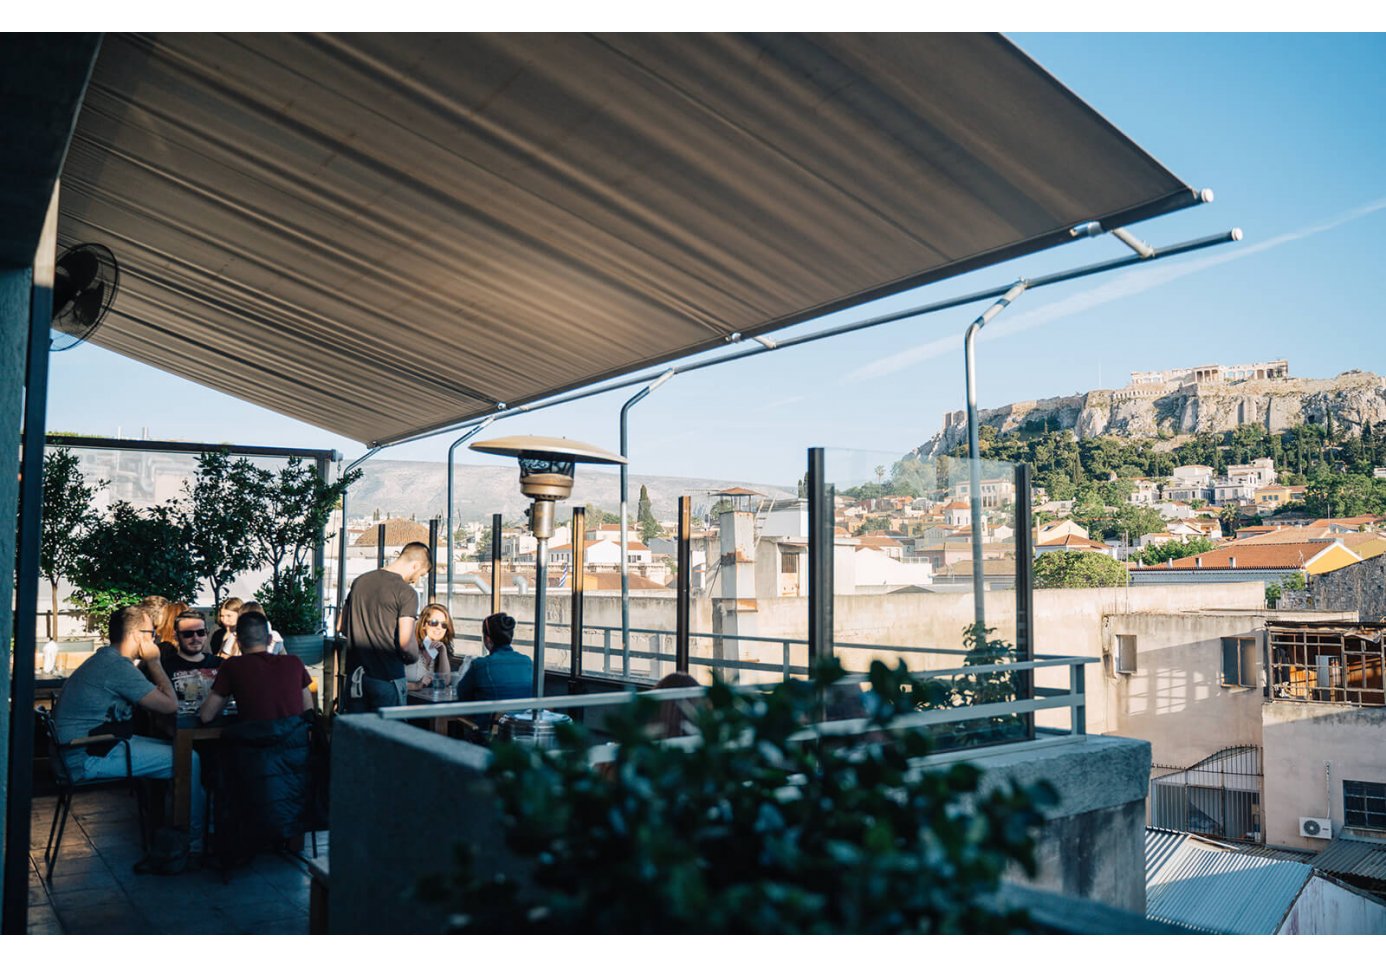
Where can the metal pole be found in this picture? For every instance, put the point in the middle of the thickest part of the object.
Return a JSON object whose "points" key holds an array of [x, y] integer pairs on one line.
{"points": [[319, 549], [820, 563], [497, 525], [433, 560], [974, 454], [768, 346], [342, 536], [685, 584], [20, 791], [1024, 591], [452, 449], [625, 498], [541, 579], [330, 652], [578, 586], [380, 545]]}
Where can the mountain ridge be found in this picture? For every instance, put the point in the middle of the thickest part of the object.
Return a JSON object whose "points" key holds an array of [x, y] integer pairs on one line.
{"points": [[1350, 400], [419, 489]]}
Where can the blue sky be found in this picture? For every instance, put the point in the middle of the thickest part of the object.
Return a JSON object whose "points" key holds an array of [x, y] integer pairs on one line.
{"points": [[1286, 128]]}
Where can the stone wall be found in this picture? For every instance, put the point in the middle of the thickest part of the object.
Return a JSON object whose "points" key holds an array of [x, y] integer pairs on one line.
{"points": [[1360, 588]]}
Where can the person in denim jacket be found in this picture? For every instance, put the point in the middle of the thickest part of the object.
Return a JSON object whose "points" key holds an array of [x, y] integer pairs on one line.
{"points": [[502, 673]]}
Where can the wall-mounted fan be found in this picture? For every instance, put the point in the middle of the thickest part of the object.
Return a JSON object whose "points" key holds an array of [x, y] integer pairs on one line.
{"points": [[85, 281]]}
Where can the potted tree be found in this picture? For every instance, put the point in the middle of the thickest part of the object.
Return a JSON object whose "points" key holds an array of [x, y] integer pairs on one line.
{"points": [[220, 509], [291, 510], [129, 554], [67, 517]]}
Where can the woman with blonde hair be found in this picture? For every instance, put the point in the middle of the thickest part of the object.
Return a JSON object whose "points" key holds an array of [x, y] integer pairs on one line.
{"points": [[223, 641], [434, 632]]}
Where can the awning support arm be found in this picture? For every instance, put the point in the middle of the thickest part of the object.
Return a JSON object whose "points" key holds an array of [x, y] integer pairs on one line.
{"points": [[974, 455], [625, 498], [451, 477]]}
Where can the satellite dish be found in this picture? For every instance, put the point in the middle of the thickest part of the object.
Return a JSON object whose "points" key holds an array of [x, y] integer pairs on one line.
{"points": [[85, 280]]}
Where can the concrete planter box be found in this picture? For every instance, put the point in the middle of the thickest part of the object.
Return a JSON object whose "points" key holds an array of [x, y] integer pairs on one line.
{"points": [[1091, 847]]}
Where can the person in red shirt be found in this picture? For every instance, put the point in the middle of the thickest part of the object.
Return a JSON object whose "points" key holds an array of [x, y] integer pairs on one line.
{"points": [[265, 686]]}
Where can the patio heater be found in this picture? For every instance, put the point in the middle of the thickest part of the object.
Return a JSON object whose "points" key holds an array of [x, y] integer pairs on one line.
{"points": [[546, 477]]}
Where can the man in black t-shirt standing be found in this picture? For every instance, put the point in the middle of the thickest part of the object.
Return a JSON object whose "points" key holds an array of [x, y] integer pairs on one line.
{"points": [[378, 622], [186, 661]]}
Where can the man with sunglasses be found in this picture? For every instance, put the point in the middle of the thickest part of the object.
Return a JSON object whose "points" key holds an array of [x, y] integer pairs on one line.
{"points": [[186, 661]]}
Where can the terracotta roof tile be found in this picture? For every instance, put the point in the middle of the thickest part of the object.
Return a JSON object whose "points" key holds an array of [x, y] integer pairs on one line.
{"points": [[397, 532]]}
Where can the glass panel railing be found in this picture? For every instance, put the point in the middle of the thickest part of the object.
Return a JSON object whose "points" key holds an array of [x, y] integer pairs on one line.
{"points": [[924, 557]]}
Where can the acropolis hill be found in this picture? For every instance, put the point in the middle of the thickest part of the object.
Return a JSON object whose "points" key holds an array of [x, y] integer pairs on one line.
{"points": [[1173, 403]]}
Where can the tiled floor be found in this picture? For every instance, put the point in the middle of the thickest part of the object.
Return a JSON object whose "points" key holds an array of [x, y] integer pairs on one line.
{"points": [[95, 891]]}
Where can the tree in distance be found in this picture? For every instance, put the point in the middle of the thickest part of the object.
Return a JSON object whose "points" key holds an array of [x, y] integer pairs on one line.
{"points": [[1079, 569], [644, 516]]}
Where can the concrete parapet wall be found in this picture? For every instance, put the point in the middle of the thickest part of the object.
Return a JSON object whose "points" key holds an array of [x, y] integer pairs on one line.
{"points": [[386, 776], [1093, 844], [393, 786]]}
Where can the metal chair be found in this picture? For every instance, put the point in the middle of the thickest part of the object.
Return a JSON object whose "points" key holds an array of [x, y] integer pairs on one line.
{"points": [[68, 785]]}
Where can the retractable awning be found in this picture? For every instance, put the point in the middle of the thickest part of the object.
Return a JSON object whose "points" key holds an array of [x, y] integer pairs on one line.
{"points": [[317, 223]]}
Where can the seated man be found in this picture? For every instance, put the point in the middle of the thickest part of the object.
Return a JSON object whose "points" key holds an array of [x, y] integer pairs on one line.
{"points": [[185, 663], [502, 673], [265, 686], [266, 788], [97, 702]]}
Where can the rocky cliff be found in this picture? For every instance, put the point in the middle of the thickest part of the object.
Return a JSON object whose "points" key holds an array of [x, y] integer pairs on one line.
{"points": [[1352, 399]]}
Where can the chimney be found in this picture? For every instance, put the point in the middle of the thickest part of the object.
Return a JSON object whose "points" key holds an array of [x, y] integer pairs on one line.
{"points": [[1169, 562], [1198, 562], [1232, 561]]}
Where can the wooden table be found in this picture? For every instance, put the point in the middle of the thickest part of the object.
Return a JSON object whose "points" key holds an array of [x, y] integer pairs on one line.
{"points": [[47, 688], [188, 730], [427, 697]]}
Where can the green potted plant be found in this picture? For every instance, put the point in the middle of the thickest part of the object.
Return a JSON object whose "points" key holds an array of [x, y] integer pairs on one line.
{"points": [[752, 829], [292, 508], [129, 554], [67, 518], [220, 507]]}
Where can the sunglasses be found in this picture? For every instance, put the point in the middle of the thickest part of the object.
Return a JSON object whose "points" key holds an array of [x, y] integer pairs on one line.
{"points": [[192, 633], [436, 623]]}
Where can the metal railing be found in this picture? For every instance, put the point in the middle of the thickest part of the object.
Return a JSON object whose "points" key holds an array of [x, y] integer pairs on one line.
{"points": [[612, 651], [1072, 698]]}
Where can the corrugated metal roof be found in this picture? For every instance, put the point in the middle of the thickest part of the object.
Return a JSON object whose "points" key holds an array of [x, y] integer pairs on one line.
{"points": [[1356, 857], [534, 213], [1160, 845], [1275, 853], [1203, 886]]}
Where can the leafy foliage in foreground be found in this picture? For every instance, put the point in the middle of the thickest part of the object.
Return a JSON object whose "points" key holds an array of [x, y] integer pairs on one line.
{"points": [[751, 830]]}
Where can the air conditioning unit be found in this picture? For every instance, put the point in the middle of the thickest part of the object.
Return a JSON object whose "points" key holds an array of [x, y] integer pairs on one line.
{"points": [[1319, 827]]}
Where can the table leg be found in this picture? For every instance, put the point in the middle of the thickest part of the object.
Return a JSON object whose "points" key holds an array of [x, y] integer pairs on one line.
{"points": [[182, 777]]}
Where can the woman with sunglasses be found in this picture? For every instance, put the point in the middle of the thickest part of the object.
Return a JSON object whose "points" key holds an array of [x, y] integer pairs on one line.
{"points": [[434, 632]]}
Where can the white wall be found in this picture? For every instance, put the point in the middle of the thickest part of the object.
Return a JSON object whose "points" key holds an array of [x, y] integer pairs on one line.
{"points": [[1310, 749], [1324, 907]]}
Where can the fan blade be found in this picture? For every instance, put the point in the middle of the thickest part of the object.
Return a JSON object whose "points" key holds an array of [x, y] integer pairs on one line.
{"points": [[82, 266], [86, 308]]}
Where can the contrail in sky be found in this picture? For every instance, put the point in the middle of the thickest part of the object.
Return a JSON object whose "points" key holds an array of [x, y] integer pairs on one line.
{"points": [[1127, 284]]}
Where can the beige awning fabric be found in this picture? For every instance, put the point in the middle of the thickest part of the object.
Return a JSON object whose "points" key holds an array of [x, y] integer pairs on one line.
{"points": [[316, 223]]}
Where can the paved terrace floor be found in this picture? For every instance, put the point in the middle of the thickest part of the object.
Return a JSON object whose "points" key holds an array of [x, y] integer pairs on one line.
{"points": [[95, 891]]}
